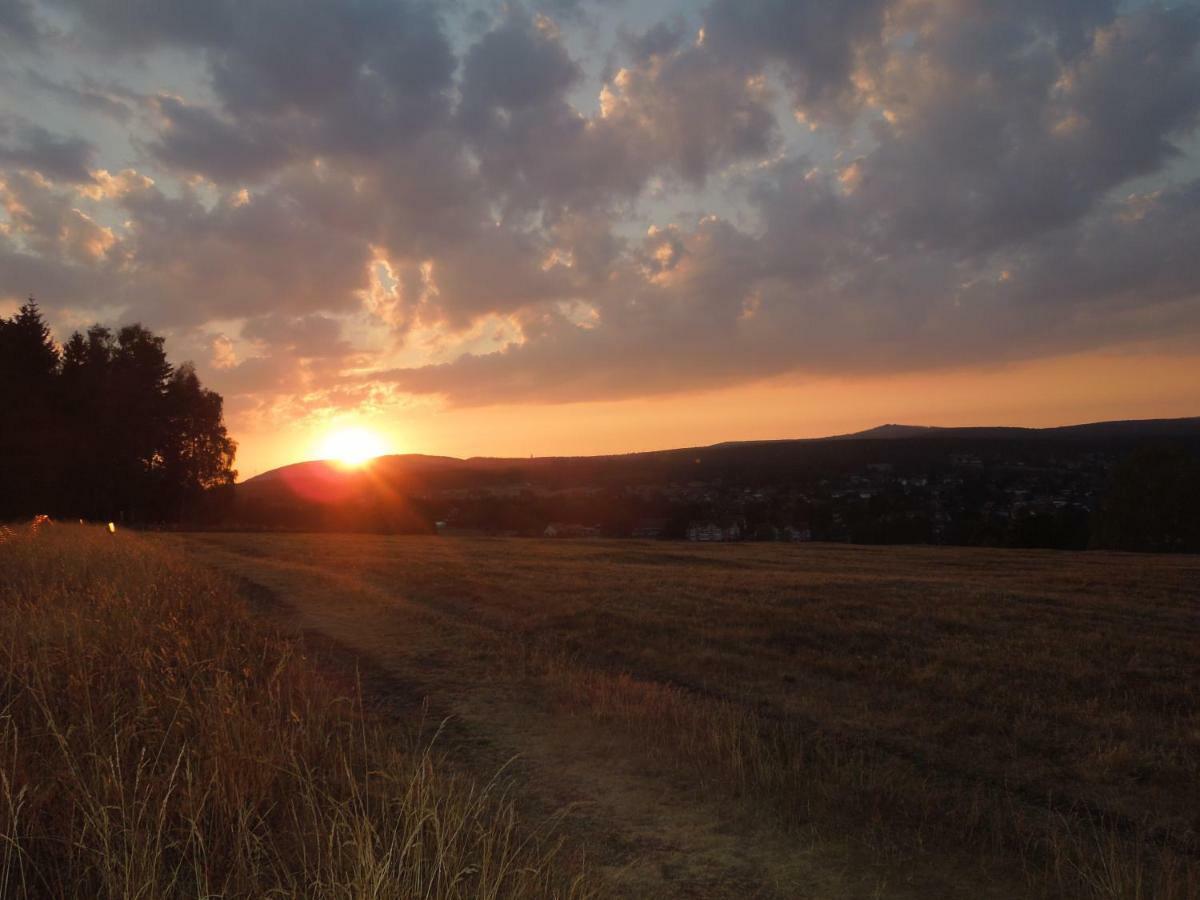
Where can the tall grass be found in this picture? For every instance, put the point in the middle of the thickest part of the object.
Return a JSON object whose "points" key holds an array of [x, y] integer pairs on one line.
{"points": [[155, 741]]}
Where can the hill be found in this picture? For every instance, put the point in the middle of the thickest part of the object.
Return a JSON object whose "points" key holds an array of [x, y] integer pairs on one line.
{"points": [[894, 483], [419, 465]]}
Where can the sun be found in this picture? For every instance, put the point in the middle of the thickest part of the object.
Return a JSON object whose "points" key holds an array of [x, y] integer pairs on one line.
{"points": [[352, 446]]}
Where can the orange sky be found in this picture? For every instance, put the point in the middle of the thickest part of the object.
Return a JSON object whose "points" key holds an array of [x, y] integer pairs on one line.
{"points": [[1067, 390]]}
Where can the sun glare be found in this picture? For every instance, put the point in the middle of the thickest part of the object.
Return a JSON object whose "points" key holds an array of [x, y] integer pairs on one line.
{"points": [[352, 446]]}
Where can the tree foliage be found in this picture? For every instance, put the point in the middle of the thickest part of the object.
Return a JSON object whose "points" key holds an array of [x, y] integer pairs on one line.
{"points": [[107, 428], [1153, 503]]}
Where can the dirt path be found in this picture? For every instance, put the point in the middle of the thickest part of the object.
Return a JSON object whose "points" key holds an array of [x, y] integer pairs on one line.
{"points": [[645, 829]]}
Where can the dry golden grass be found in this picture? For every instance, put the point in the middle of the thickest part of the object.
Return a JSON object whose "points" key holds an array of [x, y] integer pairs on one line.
{"points": [[1036, 712], [157, 742]]}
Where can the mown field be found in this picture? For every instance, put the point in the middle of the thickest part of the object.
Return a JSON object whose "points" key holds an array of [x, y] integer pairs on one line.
{"points": [[157, 740], [769, 720], [225, 715]]}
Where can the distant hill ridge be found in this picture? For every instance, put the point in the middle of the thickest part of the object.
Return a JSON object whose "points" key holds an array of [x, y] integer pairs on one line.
{"points": [[418, 463], [998, 486], [1117, 428]]}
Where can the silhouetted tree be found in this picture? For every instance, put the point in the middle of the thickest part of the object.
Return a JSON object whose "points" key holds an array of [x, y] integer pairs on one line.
{"points": [[197, 454], [1153, 502], [29, 429], [107, 429]]}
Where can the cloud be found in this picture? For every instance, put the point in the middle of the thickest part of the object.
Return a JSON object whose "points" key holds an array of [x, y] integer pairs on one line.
{"points": [[199, 140], [320, 79], [675, 111], [572, 10], [689, 109], [712, 304], [18, 24], [762, 187], [521, 64], [816, 42], [30, 146], [247, 254], [108, 100], [308, 336], [223, 355], [176, 261], [48, 225], [992, 135]]}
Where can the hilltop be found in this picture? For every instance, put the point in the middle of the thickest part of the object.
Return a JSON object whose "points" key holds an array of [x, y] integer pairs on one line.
{"points": [[892, 484], [418, 465]]}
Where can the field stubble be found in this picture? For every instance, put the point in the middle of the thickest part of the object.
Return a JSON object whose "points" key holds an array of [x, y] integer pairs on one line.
{"points": [[1024, 711], [156, 741]]}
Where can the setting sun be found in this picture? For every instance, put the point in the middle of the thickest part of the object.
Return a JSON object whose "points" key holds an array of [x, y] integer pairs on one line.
{"points": [[352, 446]]}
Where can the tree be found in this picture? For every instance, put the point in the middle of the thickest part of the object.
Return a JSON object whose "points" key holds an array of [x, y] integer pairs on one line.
{"points": [[106, 429], [29, 352], [1153, 502], [197, 455], [91, 480], [30, 433], [136, 403]]}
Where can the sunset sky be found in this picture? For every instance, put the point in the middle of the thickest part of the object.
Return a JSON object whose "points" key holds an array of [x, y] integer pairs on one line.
{"points": [[484, 228]]}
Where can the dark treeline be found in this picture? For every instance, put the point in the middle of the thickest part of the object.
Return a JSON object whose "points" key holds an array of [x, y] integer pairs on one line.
{"points": [[105, 428]]}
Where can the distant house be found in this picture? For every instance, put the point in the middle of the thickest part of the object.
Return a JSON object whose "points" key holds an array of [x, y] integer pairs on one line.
{"points": [[795, 533], [565, 530], [711, 531], [705, 531], [649, 529]]}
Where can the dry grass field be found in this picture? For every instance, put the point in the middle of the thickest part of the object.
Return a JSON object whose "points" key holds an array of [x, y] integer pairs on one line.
{"points": [[787, 721], [158, 741], [224, 715]]}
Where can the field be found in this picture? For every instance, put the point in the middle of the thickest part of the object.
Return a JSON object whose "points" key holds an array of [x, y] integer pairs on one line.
{"points": [[157, 741], [653, 719], [766, 720]]}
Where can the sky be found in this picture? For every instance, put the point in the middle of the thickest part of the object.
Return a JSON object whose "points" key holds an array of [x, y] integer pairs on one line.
{"points": [[589, 226]]}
